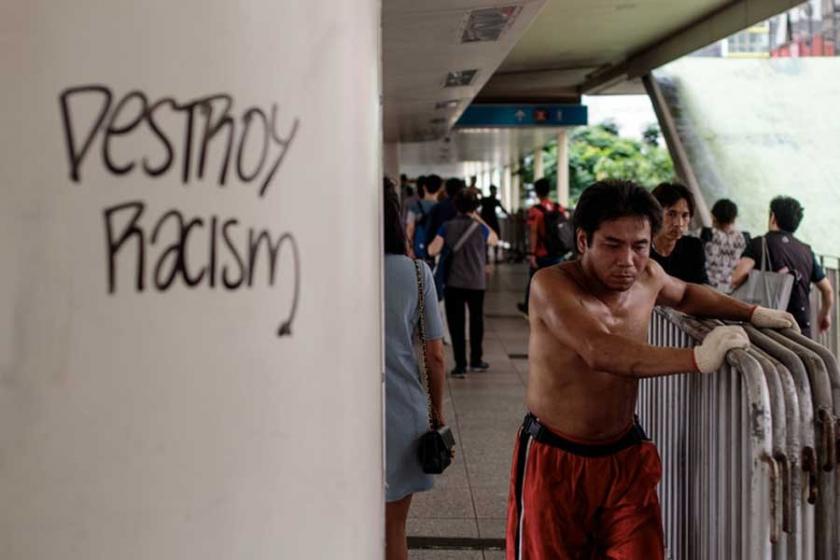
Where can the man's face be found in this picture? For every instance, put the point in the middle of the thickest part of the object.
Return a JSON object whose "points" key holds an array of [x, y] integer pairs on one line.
{"points": [[675, 220], [619, 251]]}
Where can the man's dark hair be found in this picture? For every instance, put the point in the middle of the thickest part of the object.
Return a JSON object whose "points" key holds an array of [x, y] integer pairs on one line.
{"points": [[788, 213], [613, 199], [420, 181], [453, 186], [494, 188], [669, 194], [466, 201], [725, 211], [409, 191], [393, 230], [542, 187], [433, 183]]}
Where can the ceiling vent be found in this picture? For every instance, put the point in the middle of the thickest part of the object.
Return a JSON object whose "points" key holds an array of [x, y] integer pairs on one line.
{"points": [[460, 78], [451, 104], [488, 24]]}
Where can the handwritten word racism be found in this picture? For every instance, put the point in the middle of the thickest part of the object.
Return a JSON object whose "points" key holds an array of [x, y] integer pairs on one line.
{"points": [[160, 252]]}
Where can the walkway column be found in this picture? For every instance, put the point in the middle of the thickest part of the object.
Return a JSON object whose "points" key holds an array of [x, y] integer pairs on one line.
{"points": [[515, 191], [506, 187], [563, 167], [391, 161], [169, 386], [539, 171]]}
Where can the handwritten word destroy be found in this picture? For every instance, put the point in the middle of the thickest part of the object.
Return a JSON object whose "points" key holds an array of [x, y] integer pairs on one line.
{"points": [[169, 248]]}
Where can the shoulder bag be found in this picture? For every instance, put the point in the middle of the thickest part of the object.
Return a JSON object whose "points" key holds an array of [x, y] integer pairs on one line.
{"points": [[435, 448], [764, 287]]}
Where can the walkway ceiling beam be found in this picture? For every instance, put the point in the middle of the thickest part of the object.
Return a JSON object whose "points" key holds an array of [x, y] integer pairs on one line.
{"points": [[715, 26]]}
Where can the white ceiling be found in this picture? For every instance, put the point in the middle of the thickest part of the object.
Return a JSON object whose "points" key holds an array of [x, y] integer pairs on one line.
{"points": [[421, 43], [555, 51]]}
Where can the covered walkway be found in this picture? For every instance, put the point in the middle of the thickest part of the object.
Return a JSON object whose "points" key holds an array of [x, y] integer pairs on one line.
{"points": [[465, 512]]}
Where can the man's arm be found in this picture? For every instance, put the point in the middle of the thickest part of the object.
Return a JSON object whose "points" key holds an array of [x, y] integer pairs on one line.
{"points": [[436, 246], [826, 303], [533, 238], [558, 304], [410, 228], [697, 300], [742, 271], [703, 301]]}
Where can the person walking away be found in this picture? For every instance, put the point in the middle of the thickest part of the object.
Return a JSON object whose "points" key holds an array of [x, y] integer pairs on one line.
{"points": [[789, 254], [467, 238], [489, 204], [723, 245], [418, 217], [444, 210], [680, 255], [547, 245], [406, 405], [584, 474]]}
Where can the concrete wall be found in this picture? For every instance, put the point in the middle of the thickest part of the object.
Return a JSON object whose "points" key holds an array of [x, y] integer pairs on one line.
{"points": [[162, 396]]}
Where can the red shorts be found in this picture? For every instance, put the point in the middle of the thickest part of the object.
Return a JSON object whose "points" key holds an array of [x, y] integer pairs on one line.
{"points": [[570, 499]]}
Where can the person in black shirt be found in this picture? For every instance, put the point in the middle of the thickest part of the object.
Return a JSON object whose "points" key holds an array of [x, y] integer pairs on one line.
{"points": [[788, 254], [681, 256], [444, 210], [488, 214]]}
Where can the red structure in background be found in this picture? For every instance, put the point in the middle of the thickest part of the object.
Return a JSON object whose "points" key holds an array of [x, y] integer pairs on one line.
{"points": [[817, 46]]}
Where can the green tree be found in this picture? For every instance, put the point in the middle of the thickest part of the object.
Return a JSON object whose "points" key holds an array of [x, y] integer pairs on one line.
{"points": [[598, 152]]}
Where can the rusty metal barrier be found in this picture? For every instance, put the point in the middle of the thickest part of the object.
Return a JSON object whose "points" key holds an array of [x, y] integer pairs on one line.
{"points": [[750, 453]]}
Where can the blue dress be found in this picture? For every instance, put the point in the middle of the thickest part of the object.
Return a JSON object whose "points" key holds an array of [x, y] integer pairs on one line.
{"points": [[406, 412]]}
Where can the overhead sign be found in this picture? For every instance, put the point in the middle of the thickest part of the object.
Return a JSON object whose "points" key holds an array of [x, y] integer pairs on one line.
{"points": [[523, 115]]}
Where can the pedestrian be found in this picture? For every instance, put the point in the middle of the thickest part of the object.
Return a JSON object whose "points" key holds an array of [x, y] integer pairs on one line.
{"points": [[584, 475], [418, 218], [489, 204], [723, 245], [789, 254], [547, 246], [680, 255], [466, 237], [406, 400], [444, 210]]}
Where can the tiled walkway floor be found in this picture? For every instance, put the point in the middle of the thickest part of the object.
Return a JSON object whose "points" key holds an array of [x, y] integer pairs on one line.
{"points": [[484, 410]]}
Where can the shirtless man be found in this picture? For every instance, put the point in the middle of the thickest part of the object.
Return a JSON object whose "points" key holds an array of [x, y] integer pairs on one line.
{"points": [[584, 476]]}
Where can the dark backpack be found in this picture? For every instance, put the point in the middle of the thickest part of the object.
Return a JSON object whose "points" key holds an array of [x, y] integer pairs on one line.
{"points": [[559, 231], [420, 231]]}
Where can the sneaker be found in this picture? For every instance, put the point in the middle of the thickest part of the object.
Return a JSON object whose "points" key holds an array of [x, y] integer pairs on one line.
{"points": [[522, 309], [458, 373], [479, 366]]}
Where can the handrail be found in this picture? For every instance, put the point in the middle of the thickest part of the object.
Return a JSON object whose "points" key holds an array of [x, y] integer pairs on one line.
{"points": [[746, 436]]}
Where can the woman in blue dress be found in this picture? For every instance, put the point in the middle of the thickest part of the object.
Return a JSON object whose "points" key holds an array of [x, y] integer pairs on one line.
{"points": [[406, 398]]}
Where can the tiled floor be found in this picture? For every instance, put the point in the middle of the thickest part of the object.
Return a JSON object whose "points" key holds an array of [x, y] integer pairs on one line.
{"points": [[484, 410]]}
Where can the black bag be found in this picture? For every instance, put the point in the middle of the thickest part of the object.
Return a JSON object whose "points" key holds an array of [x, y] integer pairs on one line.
{"points": [[435, 448], [559, 231]]}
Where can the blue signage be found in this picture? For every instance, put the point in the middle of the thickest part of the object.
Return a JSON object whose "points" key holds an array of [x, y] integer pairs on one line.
{"points": [[523, 115]]}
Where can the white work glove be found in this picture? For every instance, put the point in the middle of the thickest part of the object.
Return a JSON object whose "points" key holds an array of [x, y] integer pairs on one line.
{"points": [[773, 319], [709, 356]]}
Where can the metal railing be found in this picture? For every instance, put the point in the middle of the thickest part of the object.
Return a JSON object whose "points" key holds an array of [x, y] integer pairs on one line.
{"points": [[831, 338], [749, 453]]}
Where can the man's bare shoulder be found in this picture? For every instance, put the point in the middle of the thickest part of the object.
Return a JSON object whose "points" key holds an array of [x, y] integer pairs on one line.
{"points": [[559, 281], [653, 274]]}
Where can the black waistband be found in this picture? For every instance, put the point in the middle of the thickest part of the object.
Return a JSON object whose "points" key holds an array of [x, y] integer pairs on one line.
{"points": [[531, 426]]}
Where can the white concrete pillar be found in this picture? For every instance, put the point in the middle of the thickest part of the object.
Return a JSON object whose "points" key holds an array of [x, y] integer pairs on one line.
{"points": [[563, 167], [515, 191], [539, 169], [391, 161], [172, 404], [506, 188]]}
